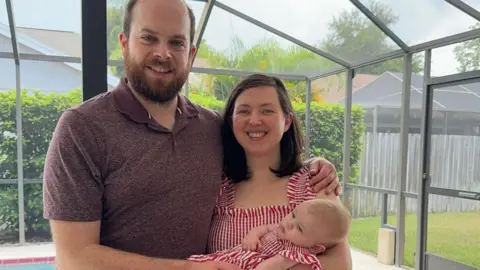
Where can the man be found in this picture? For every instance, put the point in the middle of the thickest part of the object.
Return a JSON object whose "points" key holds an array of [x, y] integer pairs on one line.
{"points": [[131, 176]]}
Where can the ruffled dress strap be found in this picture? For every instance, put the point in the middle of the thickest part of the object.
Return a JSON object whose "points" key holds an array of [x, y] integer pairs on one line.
{"points": [[299, 188], [226, 196]]}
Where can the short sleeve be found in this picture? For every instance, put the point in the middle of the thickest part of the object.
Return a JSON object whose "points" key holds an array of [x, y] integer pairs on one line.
{"points": [[300, 188], [300, 255], [72, 185]]}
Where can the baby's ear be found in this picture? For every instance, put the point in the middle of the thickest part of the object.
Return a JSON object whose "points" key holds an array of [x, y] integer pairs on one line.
{"points": [[317, 249]]}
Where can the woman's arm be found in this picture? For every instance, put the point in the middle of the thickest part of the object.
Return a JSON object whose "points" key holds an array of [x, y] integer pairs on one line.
{"points": [[277, 262], [335, 258]]}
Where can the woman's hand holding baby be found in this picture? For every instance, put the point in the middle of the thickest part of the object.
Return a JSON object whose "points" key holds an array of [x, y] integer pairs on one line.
{"points": [[251, 242]]}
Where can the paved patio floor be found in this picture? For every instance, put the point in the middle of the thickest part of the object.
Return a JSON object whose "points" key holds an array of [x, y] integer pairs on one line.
{"points": [[361, 260]]}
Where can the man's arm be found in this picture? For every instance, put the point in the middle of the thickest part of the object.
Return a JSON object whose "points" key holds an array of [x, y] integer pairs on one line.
{"points": [[73, 192], [77, 247]]}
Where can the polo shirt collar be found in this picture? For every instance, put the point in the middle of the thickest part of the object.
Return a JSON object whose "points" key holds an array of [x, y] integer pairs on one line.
{"points": [[128, 104]]}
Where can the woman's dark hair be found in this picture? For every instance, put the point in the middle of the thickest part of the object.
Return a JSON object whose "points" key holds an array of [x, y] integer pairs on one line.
{"points": [[235, 162]]}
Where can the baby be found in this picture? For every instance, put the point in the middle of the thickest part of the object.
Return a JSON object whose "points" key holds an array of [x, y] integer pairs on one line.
{"points": [[311, 228]]}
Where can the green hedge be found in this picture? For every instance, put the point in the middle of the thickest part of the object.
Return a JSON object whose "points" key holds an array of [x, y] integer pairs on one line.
{"points": [[41, 112]]}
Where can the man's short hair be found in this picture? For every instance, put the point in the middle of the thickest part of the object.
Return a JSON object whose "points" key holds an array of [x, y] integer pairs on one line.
{"points": [[127, 18]]}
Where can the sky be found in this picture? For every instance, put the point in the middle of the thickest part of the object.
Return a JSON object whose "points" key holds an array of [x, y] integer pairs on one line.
{"points": [[419, 21]]}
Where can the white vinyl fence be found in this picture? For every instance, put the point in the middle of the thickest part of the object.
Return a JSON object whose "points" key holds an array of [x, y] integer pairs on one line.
{"points": [[455, 164]]}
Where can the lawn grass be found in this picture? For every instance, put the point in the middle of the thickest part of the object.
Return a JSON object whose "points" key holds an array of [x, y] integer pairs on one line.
{"points": [[455, 236]]}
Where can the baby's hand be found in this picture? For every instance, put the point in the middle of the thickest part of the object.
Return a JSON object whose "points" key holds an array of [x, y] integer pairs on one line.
{"points": [[251, 243]]}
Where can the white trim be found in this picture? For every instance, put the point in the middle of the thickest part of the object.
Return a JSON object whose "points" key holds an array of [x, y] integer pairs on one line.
{"points": [[414, 88], [470, 91]]}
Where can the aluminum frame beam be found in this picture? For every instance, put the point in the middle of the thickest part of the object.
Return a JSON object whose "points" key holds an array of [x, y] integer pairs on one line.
{"points": [[239, 73], [119, 63], [382, 190], [370, 61], [13, 33], [468, 35], [379, 58], [424, 259], [445, 41], [436, 262], [421, 47], [454, 193], [373, 189], [207, 10], [94, 48], [453, 79], [403, 157], [418, 108], [347, 131], [422, 201], [465, 8], [283, 35], [19, 123], [383, 27], [327, 73], [308, 99]]}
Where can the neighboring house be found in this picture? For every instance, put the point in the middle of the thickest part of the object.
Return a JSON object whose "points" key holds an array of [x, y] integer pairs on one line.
{"points": [[456, 108], [47, 77], [332, 88]]}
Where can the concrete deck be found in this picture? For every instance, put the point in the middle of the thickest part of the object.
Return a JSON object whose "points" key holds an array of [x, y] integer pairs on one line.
{"points": [[361, 260]]}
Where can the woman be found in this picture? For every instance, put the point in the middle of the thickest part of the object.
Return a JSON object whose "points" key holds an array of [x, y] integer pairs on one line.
{"points": [[265, 178]]}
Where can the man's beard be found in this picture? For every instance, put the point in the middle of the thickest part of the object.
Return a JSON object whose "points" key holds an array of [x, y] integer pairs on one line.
{"points": [[154, 90]]}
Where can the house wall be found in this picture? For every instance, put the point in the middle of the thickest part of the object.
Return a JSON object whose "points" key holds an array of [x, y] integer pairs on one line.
{"points": [[37, 75]]}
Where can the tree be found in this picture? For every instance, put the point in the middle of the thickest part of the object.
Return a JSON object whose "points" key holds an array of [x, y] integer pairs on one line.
{"points": [[114, 27], [468, 53], [354, 37], [267, 55]]}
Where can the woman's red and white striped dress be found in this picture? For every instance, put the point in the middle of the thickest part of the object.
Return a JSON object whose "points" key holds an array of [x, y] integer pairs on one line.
{"points": [[230, 225]]}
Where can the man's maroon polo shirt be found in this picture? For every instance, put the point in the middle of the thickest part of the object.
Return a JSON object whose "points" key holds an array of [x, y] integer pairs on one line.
{"points": [[153, 190]]}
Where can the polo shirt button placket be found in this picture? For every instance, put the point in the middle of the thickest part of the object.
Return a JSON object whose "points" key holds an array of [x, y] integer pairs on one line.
{"points": [[179, 112]]}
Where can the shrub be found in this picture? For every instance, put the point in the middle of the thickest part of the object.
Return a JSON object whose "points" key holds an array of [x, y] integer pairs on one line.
{"points": [[40, 115], [205, 100], [326, 133]]}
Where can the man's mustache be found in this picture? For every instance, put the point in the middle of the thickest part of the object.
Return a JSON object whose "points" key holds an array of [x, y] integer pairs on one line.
{"points": [[162, 63]]}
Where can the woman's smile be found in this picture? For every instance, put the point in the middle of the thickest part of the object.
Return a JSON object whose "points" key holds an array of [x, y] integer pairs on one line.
{"points": [[256, 136]]}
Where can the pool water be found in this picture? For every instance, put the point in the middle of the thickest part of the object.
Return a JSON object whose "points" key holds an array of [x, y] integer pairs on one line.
{"points": [[29, 267]]}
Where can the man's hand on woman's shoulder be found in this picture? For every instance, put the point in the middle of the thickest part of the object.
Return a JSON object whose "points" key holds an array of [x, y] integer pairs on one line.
{"points": [[324, 176]]}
